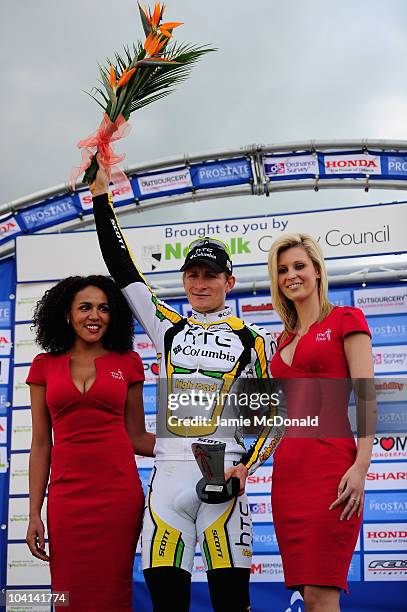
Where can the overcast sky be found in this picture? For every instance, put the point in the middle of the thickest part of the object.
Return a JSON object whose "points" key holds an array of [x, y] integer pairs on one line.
{"points": [[286, 70]]}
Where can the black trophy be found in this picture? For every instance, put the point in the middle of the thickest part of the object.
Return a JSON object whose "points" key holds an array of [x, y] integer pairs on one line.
{"points": [[213, 488]]}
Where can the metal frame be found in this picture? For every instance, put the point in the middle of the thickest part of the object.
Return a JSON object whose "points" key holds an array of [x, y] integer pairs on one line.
{"points": [[361, 272]]}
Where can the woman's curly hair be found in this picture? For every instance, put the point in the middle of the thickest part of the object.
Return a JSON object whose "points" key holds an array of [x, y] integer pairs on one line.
{"points": [[55, 335]]}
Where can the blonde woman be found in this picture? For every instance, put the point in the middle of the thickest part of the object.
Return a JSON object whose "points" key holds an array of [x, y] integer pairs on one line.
{"points": [[318, 480]]}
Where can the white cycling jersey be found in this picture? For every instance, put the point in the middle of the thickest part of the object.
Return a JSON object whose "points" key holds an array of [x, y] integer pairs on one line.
{"points": [[203, 360]]}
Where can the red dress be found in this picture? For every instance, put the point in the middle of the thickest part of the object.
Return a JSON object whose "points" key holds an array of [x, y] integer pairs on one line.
{"points": [[316, 547], [95, 499]]}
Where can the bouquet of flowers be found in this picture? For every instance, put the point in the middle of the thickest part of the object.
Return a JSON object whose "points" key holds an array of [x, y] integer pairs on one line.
{"points": [[146, 73]]}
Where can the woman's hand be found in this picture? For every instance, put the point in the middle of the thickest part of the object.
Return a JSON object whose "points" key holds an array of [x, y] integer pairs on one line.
{"points": [[240, 472], [351, 489], [36, 538], [100, 185]]}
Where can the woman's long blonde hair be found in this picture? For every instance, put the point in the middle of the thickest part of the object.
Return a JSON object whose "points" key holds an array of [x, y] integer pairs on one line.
{"points": [[282, 305]]}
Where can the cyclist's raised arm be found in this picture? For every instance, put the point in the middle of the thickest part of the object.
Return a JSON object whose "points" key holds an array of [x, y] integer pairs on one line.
{"points": [[149, 311]]}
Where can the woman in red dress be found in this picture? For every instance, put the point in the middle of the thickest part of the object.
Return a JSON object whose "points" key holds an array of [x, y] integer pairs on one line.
{"points": [[88, 421], [318, 474]]}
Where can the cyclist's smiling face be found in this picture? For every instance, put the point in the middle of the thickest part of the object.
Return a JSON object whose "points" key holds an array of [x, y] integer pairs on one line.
{"points": [[206, 289]]}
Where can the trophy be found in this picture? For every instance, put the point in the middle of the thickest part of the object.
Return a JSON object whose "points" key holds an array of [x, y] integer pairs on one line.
{"points": [[213, 488]]}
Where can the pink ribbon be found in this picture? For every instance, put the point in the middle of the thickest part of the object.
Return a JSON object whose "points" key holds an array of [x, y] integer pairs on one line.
{"points": [[100, 142]]}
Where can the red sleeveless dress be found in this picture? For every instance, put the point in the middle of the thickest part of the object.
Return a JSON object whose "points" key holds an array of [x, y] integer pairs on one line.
{"points": [[95, 498], [316, 547]]}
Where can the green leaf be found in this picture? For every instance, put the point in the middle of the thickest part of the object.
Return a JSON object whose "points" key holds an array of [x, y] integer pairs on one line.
{"points": [[146, 25]]}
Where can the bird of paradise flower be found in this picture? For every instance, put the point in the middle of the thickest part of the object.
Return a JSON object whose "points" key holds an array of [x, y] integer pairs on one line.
{"points": [[144, 74]]}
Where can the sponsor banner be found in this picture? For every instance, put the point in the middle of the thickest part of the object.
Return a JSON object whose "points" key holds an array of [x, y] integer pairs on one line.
{"points": [[150, 400], [264, 539], [21, 391], [5, 314], [354, 569], [386, 476], [385, 536], [18, 510], [161, 183], [187, 310], [25, 348], [352, 163], [390, 358], [118, 194], [9, 227], [198, 570], [397, 165], [385, 567], [391, 418], [383, 300], [19, 473], [23, 568], [5, 342], [51, 213], [260, 507], [218, 174], [137, 569], [388, 330], [340, 297], [21, 430], [392, 389], [390, 446], [150, 421], [260, 481], [385, 506], [150, 372], [3, 430], [27, 297], [143, 346], [279, 167], [144, 479], [341, 233], [267, 568], [4, 397], [4, 370], [3, 460], [258, 309], [144, 463]]}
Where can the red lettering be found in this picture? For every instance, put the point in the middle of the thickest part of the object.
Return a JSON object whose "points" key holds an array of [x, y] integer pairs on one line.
{"points": [[256, 567]]}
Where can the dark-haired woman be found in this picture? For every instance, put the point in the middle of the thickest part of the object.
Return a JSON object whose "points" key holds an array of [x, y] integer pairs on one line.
{"points": [[86, 390]]}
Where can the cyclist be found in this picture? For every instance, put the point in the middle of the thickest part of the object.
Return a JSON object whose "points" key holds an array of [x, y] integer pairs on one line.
{"points": [[208, 352]]}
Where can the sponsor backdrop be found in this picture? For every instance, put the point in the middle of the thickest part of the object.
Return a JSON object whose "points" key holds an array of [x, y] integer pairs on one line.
{"points": [[381, 554], [251, 173]]}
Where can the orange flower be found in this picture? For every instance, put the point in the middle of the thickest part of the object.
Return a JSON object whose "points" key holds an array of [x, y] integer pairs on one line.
{"points": [[126, 76], [155, 18], [112, 77], [153, 44]]}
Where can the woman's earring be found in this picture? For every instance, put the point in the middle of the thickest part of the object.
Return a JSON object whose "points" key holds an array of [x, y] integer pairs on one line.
{"points": [[68, 321]]}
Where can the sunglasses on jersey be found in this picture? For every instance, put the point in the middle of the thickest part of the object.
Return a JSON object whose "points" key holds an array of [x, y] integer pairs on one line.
{"points": [[210, 242]]}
